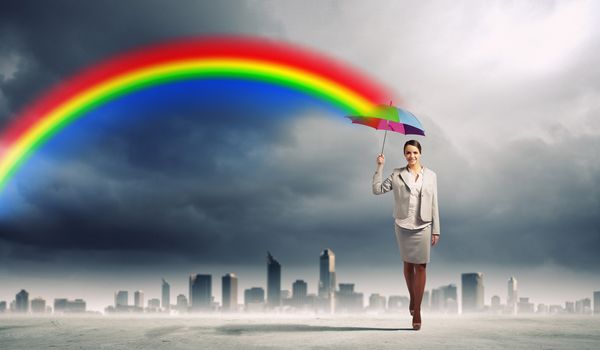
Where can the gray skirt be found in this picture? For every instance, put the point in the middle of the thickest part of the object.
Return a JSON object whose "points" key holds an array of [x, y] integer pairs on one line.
{"points": [[414, 245]]}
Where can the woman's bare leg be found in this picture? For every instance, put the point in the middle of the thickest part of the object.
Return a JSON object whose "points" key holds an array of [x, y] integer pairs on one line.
{"points": [[409, 276], [419, 285]]}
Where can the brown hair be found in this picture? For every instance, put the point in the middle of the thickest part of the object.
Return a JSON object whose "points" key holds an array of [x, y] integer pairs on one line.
{"points": [[412, 143]]}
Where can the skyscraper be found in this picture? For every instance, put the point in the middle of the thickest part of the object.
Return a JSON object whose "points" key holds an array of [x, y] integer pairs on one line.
{"points": [[597, 302], [513, 296], [166, 295], [138, 297], [472, 292], [273, 281], [299, 293], [229, 289], [326, 273], [200, 292], [22, 301]]}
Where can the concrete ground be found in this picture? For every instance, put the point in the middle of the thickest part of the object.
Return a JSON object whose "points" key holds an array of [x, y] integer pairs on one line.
{"points": [[300, 332]]}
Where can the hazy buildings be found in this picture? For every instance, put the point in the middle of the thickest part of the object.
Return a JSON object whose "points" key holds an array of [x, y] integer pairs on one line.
{"points": [[347, 300], [38, 306], [182, 303], [22, 301], [254, 299], [154, 305], [63, 305], [165, 295], [2, 306], [273, 282], [229, 288], [512, 297], [524, 306], [472, 292], [121, 299], [299, 293], [138, 299], [597, 302], [496, 306], [397, 303], [376, 303], [200, 292]]}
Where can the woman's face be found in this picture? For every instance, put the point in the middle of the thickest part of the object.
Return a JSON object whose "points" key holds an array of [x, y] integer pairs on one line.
{"points": [[412, 154]]}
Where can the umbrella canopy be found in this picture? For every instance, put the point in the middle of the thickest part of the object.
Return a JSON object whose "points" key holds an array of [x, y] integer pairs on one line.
{"points": [[391, 118]]}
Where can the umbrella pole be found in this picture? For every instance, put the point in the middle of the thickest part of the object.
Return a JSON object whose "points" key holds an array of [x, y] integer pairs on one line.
{"points": [[383, 141]]}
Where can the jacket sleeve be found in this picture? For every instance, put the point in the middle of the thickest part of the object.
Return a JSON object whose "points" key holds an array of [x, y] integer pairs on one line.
{"points": [[435, 211], [380, 187]]}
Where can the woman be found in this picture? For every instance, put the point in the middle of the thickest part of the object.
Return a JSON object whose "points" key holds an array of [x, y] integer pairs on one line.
{"points": [[416, 215]]}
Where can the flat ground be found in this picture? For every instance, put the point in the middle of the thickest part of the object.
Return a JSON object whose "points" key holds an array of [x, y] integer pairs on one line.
{"points": [[300, 332]]}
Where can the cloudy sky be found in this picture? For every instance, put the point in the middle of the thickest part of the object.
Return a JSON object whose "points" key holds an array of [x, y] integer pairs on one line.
{"points": [[508, 93]]}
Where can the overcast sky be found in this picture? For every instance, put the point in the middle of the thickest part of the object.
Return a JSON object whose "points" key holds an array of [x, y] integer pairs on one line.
{"points": [[508, 93]]}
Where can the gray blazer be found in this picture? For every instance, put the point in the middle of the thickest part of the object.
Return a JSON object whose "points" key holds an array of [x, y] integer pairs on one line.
{"points": [[398, 182]]}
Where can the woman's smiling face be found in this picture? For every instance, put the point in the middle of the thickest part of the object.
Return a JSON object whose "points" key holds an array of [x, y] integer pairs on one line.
{"points": [[412, 155]]}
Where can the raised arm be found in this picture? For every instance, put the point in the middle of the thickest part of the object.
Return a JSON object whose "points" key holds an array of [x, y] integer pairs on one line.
{"points": [[379, 186]]}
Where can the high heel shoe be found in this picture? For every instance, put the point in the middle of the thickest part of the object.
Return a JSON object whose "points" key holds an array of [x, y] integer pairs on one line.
{"points": [[416, 325]]}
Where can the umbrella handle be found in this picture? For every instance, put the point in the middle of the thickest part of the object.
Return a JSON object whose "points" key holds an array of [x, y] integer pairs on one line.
{"points": [[384, 136]]}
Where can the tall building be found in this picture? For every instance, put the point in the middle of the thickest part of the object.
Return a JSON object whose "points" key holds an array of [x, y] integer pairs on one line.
{"points": [[2, 306], [229, 291], [513, 295], [597, 302], [200, 292], [326, 273], [121, 299], [138, 299], [300, 293], [273, 281], [472, 292], [165, 295], [38, 306], [22, 301]]}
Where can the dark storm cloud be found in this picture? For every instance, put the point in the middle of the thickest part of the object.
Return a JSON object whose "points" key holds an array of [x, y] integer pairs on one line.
{"points": [[50, 41]]}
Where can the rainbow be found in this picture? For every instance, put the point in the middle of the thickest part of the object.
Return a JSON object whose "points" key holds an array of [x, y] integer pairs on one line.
{"points": [[197, 58]]}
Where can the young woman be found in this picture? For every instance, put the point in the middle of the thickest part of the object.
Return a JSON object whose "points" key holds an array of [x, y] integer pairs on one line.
{"points": [[417, 220]]}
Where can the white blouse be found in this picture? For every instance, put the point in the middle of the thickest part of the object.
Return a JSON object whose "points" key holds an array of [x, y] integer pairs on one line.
{"points": [[412, 222]]}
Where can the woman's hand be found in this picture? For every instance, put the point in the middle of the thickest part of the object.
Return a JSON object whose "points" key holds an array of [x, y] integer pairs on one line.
{"points": [[380, 159], [434, 239]]}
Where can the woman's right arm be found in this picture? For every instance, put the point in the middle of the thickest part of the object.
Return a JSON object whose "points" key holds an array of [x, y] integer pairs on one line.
{"points": [[379, 186]]}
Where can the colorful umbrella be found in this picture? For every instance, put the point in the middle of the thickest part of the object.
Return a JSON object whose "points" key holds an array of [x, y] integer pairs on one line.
{"points": [[391, 118]]}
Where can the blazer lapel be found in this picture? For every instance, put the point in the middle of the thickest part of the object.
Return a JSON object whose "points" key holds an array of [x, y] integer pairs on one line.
{"points": [[404, 175]]}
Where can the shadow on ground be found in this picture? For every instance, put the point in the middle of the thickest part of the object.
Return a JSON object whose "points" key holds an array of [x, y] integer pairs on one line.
{"points": [[262, 328]]}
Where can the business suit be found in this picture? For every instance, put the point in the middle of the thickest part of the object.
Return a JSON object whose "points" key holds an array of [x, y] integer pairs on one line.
{"points": [[413, 242]]}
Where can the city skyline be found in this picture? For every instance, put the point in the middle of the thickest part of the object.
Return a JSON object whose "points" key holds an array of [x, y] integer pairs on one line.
{"points": [[200, 290]]}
